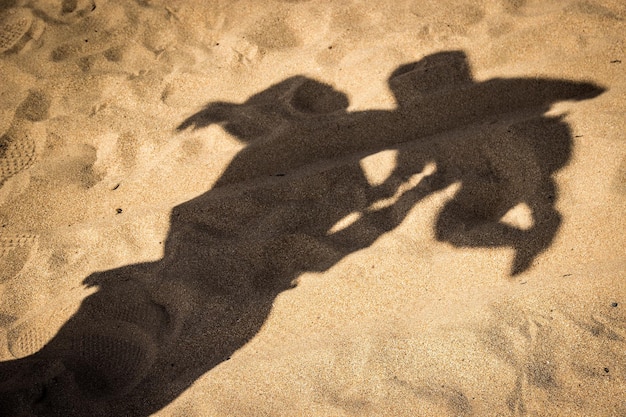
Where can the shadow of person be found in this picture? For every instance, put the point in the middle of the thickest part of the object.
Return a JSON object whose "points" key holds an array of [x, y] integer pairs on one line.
{"points": [[508, 160], [295, 199]]}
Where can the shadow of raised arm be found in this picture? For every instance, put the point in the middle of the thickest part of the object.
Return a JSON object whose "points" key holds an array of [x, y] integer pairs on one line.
{"points": [[217, 112]]}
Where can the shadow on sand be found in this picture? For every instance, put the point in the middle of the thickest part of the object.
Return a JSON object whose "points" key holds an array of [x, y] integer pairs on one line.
{"points": [[153, 329]]}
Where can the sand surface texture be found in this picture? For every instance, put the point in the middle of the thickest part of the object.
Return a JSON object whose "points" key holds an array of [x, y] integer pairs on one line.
{"points": [[312, 208]]}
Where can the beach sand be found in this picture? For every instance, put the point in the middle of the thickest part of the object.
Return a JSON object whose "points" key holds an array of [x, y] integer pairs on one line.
{"points": [[312, 208]]}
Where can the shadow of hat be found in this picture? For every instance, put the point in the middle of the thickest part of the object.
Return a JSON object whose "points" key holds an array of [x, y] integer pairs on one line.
{"points": [[440, 71]]}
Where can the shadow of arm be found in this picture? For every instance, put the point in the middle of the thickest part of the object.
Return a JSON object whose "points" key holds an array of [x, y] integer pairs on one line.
{"points": [[217, 112]]}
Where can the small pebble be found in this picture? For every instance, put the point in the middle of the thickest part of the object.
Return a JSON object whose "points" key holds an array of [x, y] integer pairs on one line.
{"points": [[614, 304], [118, 211]]}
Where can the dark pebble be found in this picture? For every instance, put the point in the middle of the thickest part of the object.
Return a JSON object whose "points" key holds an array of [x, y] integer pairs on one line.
{"points": [[118, 211]]}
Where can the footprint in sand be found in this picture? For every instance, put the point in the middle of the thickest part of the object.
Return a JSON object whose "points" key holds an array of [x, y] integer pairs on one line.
{"points": [[17, 151], [15, 251], [18, 146], [35, 328], [99, 32], [106, 358], [110, 350], [109, 358], [130, 303], [18, 27], [110, 347]]}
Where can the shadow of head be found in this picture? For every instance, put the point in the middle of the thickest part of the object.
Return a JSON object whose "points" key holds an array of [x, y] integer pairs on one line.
{"points": [[450, 71], [442, 70]]}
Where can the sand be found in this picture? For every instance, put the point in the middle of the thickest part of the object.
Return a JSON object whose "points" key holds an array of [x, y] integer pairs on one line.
{"points": [[312, 208]]}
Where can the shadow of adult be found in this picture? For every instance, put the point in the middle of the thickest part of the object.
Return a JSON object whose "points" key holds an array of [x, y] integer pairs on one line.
{"points": [[281, 209]]}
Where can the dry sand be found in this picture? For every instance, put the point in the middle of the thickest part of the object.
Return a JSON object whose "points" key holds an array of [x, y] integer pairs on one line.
{"points": [[312, 208]]}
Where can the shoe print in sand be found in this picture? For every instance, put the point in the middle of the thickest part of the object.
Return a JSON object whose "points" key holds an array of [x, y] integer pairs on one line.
{"points": [[18, 27], [15, 251], [19, 145]]}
